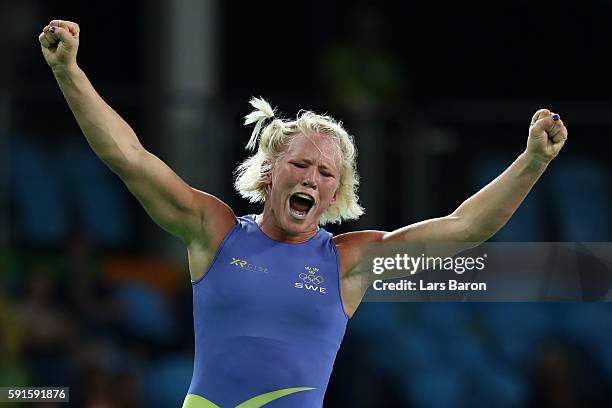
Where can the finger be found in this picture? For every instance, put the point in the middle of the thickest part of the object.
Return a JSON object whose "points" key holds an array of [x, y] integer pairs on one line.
{"points": [[51, 39], [560, 137], [46, 35], [73, 28], [541, 113], [43, 40], [545, 124], [61, 34], [559, 134], [558, 131], [554, 133], [558, 125]]}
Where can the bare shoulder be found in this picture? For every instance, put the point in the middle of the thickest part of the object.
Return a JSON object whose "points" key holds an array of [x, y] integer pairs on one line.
{"points": [[215, 220], [351, 247]]}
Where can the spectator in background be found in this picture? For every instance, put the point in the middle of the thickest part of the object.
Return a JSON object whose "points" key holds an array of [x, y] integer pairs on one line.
{"points": [[91, 298], [51, 332]]}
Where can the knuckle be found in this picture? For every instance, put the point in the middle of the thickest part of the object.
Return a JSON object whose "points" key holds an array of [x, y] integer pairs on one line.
{"points": [[543, 112]]}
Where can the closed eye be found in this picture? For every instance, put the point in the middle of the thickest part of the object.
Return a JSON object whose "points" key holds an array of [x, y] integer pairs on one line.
{"points": [[325, 173]]}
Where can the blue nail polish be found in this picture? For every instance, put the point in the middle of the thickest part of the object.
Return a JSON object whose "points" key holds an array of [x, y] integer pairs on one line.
{"points": [[52, 29], [555, 117]]}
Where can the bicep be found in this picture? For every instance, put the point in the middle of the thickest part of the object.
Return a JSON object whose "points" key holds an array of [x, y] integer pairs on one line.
{"points": [[169, 200], [436, 237], [444, 236], [443, 229]]}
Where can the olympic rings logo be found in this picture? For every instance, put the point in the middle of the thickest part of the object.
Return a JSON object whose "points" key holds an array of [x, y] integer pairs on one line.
{"points": [[316, 279]]}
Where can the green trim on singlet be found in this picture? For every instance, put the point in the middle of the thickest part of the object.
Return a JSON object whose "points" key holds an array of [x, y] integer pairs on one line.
{"points": [[263, 399], [196, 401]]}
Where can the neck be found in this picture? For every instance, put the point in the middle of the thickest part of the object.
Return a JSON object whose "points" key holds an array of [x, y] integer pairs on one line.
{"points": [[271, 226]]}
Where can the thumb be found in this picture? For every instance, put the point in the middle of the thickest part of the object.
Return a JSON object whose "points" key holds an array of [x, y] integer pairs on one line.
{"points": [[63, 36], [545, 124], [543, 120]]}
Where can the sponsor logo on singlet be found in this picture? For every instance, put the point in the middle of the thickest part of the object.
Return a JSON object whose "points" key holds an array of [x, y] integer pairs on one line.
{"points": [[244, 264], [310, 280]]}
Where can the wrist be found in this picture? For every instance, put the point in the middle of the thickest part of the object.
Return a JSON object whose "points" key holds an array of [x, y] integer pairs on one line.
{"points": [[534, 161], [65, 71]]}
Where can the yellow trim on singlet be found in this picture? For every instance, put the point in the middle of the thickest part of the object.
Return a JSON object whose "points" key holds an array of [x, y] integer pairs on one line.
{"points": [[196, 401]]}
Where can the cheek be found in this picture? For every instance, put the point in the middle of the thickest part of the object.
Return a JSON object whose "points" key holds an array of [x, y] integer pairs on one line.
{"points": [[284, 179], [293, 176], [284, 175], [330, 188]]}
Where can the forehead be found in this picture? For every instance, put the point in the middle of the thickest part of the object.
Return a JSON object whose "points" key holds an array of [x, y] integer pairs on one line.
{"points": [[316, 147]]}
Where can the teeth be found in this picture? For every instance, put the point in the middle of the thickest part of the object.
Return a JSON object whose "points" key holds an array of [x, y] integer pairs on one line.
{"points": [[299, 214], [306, 196]]}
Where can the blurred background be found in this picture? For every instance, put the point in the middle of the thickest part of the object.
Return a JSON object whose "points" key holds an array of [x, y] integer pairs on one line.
{"points": [[439, 96]]}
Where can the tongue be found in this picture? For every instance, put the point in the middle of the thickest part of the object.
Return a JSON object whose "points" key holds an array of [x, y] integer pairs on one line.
{"points": [[298, 205]]}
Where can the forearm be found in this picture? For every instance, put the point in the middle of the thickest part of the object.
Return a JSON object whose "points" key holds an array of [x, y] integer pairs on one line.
{"points": [[107, 133], [489, 209]]}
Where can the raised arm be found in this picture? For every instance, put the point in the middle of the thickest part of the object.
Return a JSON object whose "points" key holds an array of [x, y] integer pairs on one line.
{"points": [[483, 214], [475, 220], [169, 201]]}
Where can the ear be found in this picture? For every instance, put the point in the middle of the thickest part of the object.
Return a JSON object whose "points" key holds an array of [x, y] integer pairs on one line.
{"points": [[266, 174], [266, 171]]}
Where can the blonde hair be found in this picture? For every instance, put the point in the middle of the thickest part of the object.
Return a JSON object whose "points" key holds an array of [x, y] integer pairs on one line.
{"points": [[274, 140]]}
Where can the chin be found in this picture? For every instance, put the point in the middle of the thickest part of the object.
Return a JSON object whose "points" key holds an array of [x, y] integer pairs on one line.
{"points": [[296, 225]]}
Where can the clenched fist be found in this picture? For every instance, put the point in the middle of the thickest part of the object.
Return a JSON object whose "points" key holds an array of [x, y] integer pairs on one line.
{"points": [[547, 135], [59, 42]]}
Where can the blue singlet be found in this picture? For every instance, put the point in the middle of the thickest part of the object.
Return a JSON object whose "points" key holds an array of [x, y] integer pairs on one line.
{"points": [[268, 320]]}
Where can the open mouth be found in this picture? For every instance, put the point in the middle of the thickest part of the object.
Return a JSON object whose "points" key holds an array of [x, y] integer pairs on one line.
{"points": [[300, 204]]}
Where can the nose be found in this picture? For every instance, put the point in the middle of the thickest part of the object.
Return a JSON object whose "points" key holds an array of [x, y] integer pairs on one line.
{"points": [[309, 179], [309, 183]]}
